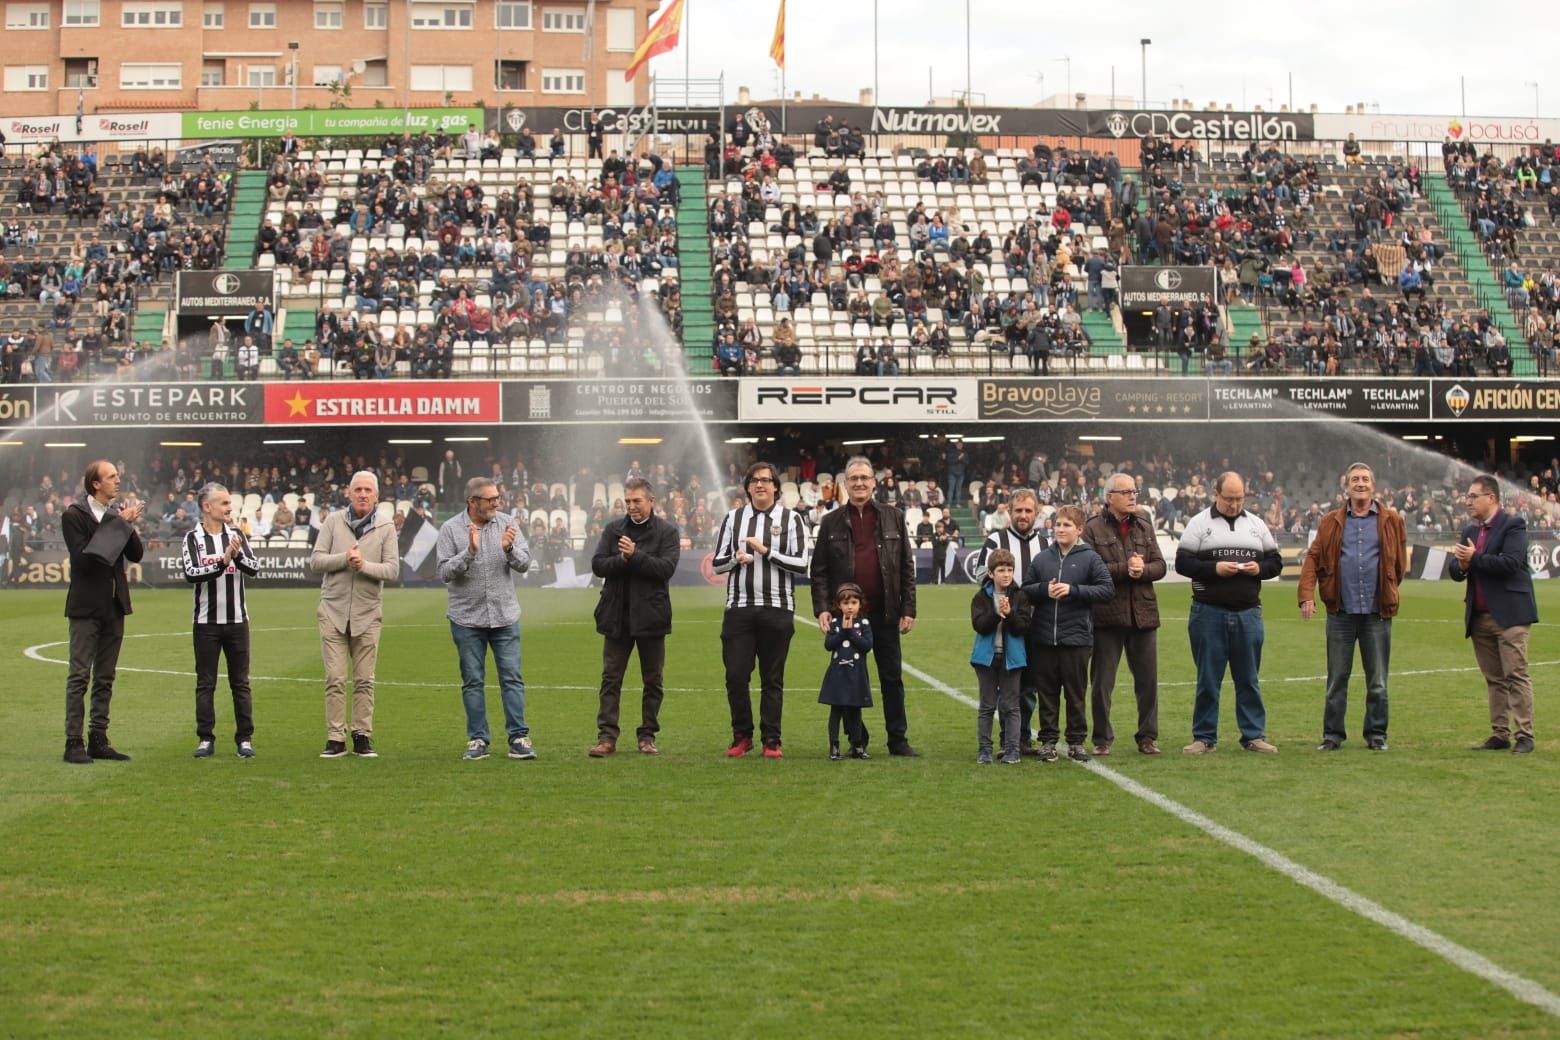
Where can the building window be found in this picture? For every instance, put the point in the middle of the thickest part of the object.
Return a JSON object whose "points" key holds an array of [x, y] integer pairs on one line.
{"points": [[441, 77], [510, 75], [26, 16], [262, 16], [325, 75], [563, 81], [513, 15], [554, 20], [213, 72], [376, 73], [328, 15], [428, 16], [81, 73], [26, 77], [212, 16], [151, 77], [261, 75], [151, 15], [376, 16], [83, 14]]}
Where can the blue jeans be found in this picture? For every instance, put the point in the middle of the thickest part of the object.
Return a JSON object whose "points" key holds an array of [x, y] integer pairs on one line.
{"points": [[1373, 633], [1227, 638], [472, 645]]}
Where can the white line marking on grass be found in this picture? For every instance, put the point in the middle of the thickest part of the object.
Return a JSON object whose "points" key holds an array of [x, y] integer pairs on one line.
{"points": [[1474, 963]]}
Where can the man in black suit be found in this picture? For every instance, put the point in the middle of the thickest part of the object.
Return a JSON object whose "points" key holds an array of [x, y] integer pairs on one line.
{"points": [[866, 542], [98, 600], [1492, 558]]}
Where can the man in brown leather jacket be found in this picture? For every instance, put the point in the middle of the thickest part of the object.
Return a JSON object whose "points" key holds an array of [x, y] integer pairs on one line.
{"points": [[866, 542], [1124, 537], [1356, 562]]}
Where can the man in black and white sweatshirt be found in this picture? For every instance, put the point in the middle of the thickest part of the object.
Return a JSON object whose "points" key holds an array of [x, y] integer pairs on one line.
{"points": [[1227, 552]]}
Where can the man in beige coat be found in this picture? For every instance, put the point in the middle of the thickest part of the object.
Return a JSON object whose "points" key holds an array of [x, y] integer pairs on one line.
{"points": [[357, 553]]}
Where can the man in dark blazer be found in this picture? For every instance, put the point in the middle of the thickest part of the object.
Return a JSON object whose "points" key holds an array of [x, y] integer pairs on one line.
{"points": [[635, 558], [866, 543], [1491, 556], [98, 600]]}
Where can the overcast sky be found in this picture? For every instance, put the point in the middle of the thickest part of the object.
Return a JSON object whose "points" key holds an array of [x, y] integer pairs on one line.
{"points": [[1411, 63]]}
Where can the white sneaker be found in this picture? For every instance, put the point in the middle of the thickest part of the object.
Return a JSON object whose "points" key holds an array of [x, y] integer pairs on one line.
{"points": [[475, 749], [521, 747], [205, 749], [246, 749]]}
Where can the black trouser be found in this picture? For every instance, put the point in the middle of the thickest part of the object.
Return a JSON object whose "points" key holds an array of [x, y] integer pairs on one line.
{"points": [[1064, 671], [855, 730], [1028, 699], [1142, 649], [94, 657], [212, 641], [891, 682], [614, 662], [764, 632]]}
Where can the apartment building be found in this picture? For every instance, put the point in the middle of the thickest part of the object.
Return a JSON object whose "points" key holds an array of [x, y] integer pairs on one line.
{"points": [[186, 55]]}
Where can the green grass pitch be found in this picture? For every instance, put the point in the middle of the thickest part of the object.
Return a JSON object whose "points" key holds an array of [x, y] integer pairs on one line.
{"points": [[690, 896]]}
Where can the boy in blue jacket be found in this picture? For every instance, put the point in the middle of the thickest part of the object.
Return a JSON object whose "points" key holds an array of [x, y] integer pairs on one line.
{"points": [[1000, 617], [1065, 581]]}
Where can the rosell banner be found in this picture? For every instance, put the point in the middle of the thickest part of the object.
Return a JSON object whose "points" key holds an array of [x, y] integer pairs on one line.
{"points": [[376, 402], [134, 126], [856, 400]]}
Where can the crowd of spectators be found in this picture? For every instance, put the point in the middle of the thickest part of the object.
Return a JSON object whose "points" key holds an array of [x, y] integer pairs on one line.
{"points": [[474, 265], [1510, 204], [953, 493], [924, 271], [89, 270]]}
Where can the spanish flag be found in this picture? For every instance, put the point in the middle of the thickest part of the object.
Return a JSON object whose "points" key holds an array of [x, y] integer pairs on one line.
{"points": [[777, 45], [661, 38]]}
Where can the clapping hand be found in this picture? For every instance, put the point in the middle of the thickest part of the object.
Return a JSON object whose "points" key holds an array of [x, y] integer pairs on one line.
{"points": [[626, 546], [1464, 553], [355, 558], [510, 534], [1135, 565]]}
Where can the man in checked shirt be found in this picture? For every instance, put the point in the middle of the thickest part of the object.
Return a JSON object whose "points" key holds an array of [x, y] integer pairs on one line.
{"points": [[761, 548], [478, 549]]}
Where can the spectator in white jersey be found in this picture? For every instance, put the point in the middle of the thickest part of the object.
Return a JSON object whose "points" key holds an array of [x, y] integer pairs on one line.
{"points": [[216, 559], [1227, 552], [761, 548], [1025, 541]]}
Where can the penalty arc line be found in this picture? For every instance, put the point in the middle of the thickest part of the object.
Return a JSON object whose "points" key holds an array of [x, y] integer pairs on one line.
{"points": [[1455, 953]]}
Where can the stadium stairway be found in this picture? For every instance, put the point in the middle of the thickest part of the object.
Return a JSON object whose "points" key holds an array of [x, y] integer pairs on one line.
{"points": [[151, 323], [244, 223], [1484, 280], [693, 240], [1245, 322], [1102, 333], [297, 325]]}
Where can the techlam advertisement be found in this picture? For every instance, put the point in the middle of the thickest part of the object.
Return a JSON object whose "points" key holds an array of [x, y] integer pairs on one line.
{"points": [[373, 402]]}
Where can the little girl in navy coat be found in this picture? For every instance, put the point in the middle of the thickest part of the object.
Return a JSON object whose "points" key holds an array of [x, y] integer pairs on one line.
{"points": [[846, 688]]}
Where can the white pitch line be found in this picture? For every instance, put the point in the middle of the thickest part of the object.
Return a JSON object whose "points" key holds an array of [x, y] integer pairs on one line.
{"points": [[1454, 953]]}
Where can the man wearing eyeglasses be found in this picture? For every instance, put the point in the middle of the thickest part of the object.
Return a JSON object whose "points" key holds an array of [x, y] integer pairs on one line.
{"points": [[1499, 607], [1227, 552], [866, 543], [480, 550], [1357, 560], [1128, 622], [761, 547]]}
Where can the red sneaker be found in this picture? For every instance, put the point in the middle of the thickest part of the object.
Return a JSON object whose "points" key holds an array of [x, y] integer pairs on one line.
{"points": [[773, 751], [739, 747]]}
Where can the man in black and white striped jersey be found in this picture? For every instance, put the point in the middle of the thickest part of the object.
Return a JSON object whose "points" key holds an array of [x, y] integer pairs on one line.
{"points": [[761, 548], [216, 559], [1025, 541]]}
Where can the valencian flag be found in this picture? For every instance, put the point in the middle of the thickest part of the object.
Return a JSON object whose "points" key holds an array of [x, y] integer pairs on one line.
{"points": [[661, 38], [777, 45]]}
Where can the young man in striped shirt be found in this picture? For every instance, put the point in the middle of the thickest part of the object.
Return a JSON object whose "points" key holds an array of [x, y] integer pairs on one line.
{"points": [[216, 559], [761, 548]]}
